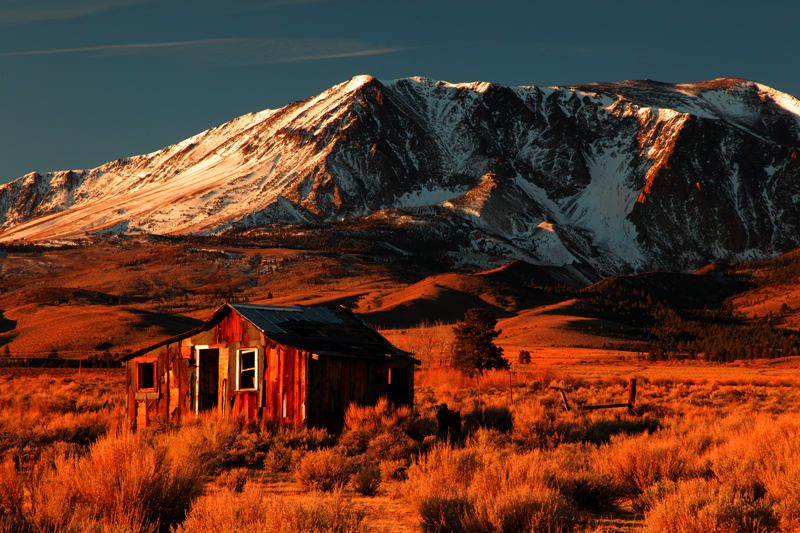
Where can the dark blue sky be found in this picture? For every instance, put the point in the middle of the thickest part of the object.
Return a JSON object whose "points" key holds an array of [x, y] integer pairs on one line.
{"points": [[84, 82]]}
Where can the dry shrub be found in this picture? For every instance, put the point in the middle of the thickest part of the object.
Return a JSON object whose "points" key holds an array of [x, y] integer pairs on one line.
{"points": [[123, 483], [370, 418], [706, 506], [394, 450], [537, 426], [233, 479], [444, 514], [254, 510], [520, 512], [764, 460], [385, 435], [442, 377], [639, 462], [278, 459], [12, 495], [480, 490], [497, 417], [367, 480], [571, 470], [325, 470], [442, 471]]}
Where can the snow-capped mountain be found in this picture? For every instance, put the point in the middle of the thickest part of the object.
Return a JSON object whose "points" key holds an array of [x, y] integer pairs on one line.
{"points": [[619, 176]]}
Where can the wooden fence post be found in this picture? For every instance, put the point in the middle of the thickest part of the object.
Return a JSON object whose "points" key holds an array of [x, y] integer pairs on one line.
{"points": [[632, 396]]}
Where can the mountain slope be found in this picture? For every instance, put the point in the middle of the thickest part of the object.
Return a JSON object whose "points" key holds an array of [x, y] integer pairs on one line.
{"points": [[618, 177]]}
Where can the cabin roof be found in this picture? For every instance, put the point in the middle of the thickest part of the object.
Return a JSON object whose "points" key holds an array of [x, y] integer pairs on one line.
{"points": [[316, 330]]}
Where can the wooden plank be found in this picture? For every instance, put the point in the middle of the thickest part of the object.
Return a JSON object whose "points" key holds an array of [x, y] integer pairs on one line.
{"points": [[162, 400], [297, 409], [304, 388], [245, 405], [344, 378], [174, 402], [314, 401], [281, 396], [224, 383], [173, 398], [141, 414], [130, 401], [274, 391]]}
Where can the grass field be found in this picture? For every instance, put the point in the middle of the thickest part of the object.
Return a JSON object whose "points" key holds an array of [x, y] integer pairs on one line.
{"points": [[713, 448]]}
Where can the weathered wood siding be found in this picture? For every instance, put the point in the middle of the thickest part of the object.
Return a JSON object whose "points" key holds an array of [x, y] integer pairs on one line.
{"points": [[285, 386], [336, 382], [294, 388]]}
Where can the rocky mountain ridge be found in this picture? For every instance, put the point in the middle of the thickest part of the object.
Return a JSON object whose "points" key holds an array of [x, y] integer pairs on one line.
{"points": [[618, 177]]}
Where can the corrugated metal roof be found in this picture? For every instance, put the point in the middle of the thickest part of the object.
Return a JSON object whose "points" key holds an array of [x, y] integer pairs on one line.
{"points": [[268, 318], [321, 330]]}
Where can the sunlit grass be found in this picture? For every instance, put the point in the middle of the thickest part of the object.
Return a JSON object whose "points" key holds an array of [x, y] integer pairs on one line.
{"points": [[715, 455]]}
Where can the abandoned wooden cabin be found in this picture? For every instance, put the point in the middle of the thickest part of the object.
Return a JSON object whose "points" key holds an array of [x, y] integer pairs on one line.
{"points": [[298, 366]]}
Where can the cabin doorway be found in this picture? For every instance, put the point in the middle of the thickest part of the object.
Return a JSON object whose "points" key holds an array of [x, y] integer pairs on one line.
{"points": [[207, 381], [400, 386]]}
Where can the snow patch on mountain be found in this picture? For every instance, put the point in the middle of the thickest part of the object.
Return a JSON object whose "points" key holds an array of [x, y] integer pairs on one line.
{"points": [[623, 171]]}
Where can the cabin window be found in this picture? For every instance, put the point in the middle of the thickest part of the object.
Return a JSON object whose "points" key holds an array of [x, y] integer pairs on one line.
{"points": [[247, 369], [146, 376]]}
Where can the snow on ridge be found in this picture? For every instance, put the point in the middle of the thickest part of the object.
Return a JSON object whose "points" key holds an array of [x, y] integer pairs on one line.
{"points": [[785, 101], [425, 196], [356, 82]]}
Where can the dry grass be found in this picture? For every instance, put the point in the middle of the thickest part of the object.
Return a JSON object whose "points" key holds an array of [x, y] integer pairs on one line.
{"points": [[254, 510], [38, 411], [325, 470], [718, 455], [123, 481]]}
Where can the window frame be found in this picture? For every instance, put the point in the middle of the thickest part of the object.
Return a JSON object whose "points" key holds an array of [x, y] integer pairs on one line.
{"points": [[141, 393], [254, 368]]}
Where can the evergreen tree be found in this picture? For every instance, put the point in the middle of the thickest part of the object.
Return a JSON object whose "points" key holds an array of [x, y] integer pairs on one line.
{"points": [[474, 350]]}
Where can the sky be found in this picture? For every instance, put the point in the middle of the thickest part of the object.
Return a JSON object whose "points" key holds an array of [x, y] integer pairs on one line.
{"points": [[85, 82]]}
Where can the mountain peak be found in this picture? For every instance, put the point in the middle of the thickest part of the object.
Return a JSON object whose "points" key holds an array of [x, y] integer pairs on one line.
{"points": [[356, 82], [716, 162]]}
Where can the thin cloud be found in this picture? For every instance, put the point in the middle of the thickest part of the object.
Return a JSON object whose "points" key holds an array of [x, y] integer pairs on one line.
{"points": [[280, 3], [232, 52], [22, 11]]}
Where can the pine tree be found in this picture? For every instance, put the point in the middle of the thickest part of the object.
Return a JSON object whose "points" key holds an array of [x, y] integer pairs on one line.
{"points": [[474, 350]]}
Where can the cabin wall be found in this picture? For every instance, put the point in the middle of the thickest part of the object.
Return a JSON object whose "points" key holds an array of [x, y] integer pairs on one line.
{"points": [[170, 398], [285, 386], [337, 382]]}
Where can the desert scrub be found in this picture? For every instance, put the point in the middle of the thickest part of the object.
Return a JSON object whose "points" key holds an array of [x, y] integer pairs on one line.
{"points": [[763, 460], [570, 469], [475, 489], [226, 511], [641, 461], [707, 506], [384, 435], [233, 479], [326, 470], [497, 417], [123, 481], [367, 480], [38, 411]]}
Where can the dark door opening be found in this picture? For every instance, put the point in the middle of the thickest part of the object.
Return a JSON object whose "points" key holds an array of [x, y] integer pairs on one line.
{"points": [[399, 384], [207, 379]]}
